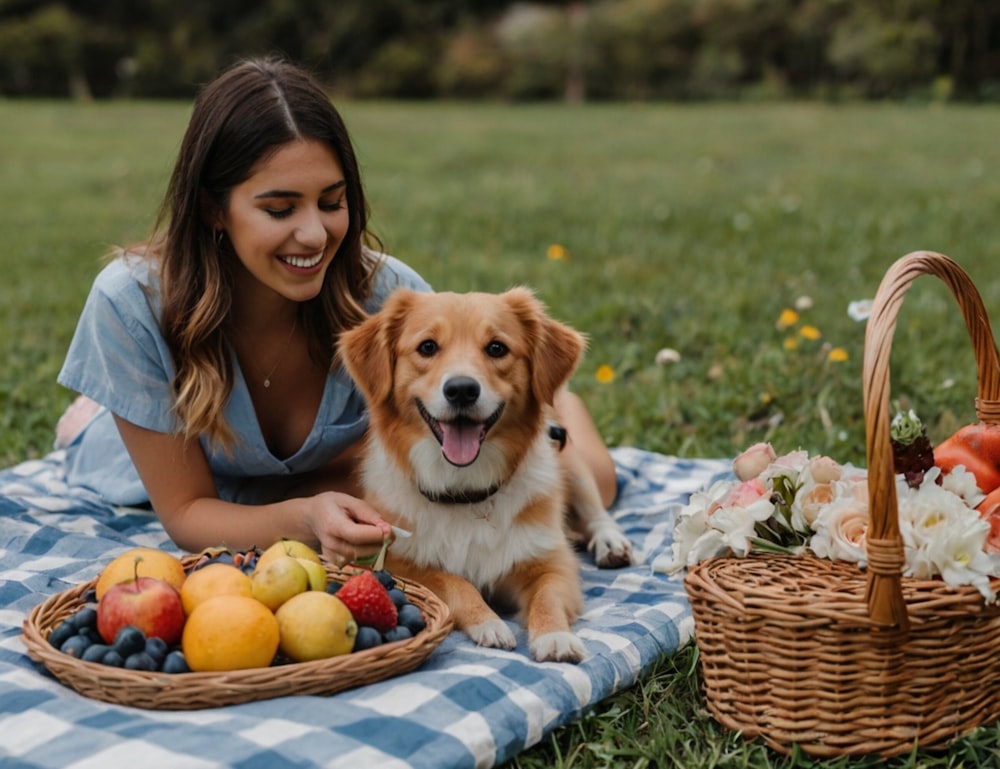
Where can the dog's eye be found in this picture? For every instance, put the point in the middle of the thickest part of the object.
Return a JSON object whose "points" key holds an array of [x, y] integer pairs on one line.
{"points": [[427, 348], [496, 349]]}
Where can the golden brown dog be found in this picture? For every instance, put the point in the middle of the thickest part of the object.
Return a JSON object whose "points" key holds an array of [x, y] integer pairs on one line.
{"points": [[459, 452]]}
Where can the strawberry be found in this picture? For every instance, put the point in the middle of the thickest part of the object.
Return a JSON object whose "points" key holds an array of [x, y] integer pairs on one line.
{"points": [[369, 601]]}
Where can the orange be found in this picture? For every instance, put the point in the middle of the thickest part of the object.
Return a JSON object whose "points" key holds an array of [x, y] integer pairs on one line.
{"points": [[230, 632], [212, 580], [147, 562]]}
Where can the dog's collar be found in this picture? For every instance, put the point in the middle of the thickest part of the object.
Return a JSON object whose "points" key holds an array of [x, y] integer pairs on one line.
{"points": [[463, 497]]}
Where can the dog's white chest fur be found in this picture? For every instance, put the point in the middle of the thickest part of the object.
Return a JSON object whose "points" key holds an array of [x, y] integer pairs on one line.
{"points": [[480, 541]]}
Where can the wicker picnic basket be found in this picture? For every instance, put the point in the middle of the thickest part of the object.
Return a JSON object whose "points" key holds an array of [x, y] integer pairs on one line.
{"points": [[193, 691], [819, 654]]}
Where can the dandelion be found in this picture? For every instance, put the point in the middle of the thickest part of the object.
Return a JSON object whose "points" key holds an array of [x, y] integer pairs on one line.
{"points": [[810, 332], [837, 355], [556, 252], [804, 303], [787, 318], [790, 343], [666, 356], [605, 374], [859, 310]]}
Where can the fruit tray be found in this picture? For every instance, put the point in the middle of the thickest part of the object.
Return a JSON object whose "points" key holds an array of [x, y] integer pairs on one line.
{"points": [[195, 691]]}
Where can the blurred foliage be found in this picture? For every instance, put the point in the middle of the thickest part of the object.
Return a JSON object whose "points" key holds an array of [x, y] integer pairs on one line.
{"points": [[495, 49]]}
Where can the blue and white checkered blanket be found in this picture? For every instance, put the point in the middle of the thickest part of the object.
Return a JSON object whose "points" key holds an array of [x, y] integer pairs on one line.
{"points": [[464, 707]]}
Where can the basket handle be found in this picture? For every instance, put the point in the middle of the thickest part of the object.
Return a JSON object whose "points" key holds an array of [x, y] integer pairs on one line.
{"points": [[884, 593]]}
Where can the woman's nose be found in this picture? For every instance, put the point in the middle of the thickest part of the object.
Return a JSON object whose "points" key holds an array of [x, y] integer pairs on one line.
{"points": [[311, 231]]}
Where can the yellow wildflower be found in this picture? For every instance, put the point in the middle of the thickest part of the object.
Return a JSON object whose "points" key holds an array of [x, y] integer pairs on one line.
{"points": [[837, 355], [605, 374], [790, 343], [810, 332], [556, 252], [787, 318]]}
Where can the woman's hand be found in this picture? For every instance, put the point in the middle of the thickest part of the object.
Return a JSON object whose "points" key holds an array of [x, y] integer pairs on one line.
{"points": [[346, 527]]}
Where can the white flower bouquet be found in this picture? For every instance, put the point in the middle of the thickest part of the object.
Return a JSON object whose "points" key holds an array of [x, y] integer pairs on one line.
{"points": [[795, 503]]}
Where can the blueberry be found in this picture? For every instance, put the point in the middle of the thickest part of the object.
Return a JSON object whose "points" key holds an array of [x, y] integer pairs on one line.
{"points": [[387, 580], [156, 648], [398, 597], [366, 638], [174, 662], [112, 659], [333, 586], [411, 618], [86, 617], [129, 641], [91, 634], [398, 633], [95, 652], [61, 633], [140, 661], [75, 646]]}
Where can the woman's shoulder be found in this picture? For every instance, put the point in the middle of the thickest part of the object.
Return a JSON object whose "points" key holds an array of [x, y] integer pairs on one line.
{"points": [[126, 273], [392, 273]]}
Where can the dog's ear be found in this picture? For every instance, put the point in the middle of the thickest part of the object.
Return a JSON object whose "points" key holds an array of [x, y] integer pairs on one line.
{"points": [[368, 351], [556, 349]]}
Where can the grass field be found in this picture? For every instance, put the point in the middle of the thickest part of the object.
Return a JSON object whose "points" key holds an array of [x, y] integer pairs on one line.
{"points": [[683, 227]]}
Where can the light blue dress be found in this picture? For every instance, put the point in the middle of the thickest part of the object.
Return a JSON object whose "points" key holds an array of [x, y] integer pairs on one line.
{"points": [[119, 359]]}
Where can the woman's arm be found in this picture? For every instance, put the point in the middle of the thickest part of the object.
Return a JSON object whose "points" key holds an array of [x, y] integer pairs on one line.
{"points": [[182, 491], [582, 433]]}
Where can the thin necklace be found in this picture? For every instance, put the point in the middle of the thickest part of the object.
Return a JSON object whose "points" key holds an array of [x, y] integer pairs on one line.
{"points": [[281, 353]]}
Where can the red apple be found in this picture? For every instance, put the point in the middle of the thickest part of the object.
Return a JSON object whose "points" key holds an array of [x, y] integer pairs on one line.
{"points": [[150, 604]]}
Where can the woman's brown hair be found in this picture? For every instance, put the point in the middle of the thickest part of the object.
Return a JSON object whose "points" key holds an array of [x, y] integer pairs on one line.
{"points": [[250, 111]]}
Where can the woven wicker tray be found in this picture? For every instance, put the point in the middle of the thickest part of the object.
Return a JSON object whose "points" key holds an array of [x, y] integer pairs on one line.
{"points": [[819, 654], [194, 691]]}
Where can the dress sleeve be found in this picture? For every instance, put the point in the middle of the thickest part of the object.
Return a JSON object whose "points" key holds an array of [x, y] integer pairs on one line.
{"points": [[117, 356], [394, 274]]}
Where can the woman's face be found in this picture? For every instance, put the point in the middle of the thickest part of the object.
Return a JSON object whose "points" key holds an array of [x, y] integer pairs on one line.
{"points": [[289, 217]]}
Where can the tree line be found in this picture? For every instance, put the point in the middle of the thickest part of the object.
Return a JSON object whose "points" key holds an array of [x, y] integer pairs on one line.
{"points": [[490, 49]]}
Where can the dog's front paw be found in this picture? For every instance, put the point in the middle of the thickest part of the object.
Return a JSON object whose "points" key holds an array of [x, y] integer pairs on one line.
{"points": [[493, 633], [560, 646], [611, 549]]}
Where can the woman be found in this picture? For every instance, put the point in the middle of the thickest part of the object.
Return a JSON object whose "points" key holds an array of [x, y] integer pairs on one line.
{"points": [[211, 347]]}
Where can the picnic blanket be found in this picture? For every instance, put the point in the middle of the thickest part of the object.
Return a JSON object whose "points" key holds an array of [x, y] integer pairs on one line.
{"points": [[466, 706]]}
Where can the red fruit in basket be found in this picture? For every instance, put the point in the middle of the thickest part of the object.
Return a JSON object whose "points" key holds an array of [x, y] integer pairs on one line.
{"points": [[369, 601], [150, 604], [989, 510], [977, 447]]}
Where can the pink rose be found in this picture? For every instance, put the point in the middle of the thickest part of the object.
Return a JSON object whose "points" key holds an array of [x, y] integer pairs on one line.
{"points": [[746, 494], [753, 461]]}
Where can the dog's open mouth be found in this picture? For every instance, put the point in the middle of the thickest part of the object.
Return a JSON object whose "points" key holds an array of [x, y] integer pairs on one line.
{"points": [[460, 438]]}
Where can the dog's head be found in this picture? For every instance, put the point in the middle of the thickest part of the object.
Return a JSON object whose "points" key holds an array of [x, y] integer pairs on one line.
{"points": [[459, 368]]}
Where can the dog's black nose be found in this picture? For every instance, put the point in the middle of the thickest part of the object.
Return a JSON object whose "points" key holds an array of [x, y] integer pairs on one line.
{"points": [[461, 391]]}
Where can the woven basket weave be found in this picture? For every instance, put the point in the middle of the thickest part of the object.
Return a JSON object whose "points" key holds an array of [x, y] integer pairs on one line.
{"points": [[193, 691], [805, 651]]}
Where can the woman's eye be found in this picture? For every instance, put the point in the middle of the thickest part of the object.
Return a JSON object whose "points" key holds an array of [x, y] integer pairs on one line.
{"points": [[332, 206], [496, 349], [279, 213], [427, 348]]}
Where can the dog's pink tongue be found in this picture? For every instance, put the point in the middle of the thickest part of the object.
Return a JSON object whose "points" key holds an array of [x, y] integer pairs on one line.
{"points": [[460, 442]]}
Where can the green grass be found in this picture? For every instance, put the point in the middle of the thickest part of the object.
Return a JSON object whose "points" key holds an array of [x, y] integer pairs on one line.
{"points": [[689, 227]]}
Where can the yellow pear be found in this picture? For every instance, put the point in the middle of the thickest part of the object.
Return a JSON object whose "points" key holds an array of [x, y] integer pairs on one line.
{"points": [[316, 572], [278, 581], [315, 625], [284, 547]]}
